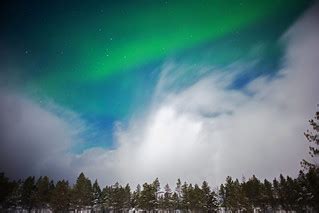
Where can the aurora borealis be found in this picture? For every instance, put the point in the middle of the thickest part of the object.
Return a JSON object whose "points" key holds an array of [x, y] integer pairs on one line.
{"points": [[107, 67]]}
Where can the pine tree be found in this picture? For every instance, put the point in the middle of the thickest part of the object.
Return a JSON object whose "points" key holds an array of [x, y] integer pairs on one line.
{"points": [[116, 197], [6, 189], [312, 178], [268, 198], [197, 198], [28, 194], [234, 196], [97, 194], [14, 198], [241, 201], [157, 187], [282, 192], [230, 195], [127, 196], [303, 195], [82, 195], [252, 189], [148, 199], [43, 192], [206, 196], [185, 197], [209, 198], [61, 197], [276, 193], [222, 195], [106, 197], [191, 200], [167, 202], [136, 197], [177, 195], [175, 201], [312, 135], [178, 188]]}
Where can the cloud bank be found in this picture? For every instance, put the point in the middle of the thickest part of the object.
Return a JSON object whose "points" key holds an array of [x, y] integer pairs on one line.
{"points": [[203, 132]]}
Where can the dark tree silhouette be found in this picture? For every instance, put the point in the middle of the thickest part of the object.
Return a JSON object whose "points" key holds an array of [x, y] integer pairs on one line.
{"points": [[312, 136]]}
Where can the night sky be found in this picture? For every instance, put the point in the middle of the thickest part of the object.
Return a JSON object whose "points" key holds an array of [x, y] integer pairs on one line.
{"points": [[132, 90]]}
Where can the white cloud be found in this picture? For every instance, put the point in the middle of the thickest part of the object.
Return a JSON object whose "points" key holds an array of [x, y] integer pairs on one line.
{"points": [[31, 137]]}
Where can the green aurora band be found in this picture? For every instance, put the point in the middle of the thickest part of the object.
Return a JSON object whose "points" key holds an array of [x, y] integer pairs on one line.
{"points": [[98, 58], [130, 35]]}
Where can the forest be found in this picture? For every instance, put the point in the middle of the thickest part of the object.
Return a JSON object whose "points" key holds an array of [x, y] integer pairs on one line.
{"points": [[285, 193]]}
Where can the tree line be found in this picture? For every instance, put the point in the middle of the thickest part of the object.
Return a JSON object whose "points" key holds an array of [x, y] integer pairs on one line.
{"points": [[285, 193]]}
